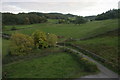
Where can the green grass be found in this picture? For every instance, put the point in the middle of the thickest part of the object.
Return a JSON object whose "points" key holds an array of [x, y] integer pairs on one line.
{"points": [[48, 66], [0, 57], [5, 46], [60, 65], [111, 41], [75, 31], [71, 30], [105, 46], [0, 43], [54, 21], [9, 27]]}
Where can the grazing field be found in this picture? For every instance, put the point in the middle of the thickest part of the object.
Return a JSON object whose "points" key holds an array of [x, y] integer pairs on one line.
{"points": [[60, 65], [0, 42], [105, 46], [1, 47], [5, 46], [57, 45], [70, 30], [65, 30]]}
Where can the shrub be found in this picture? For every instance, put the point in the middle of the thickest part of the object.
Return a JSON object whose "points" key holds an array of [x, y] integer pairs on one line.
{"points": [[40, 39], [61, 21], [80, 20], [88, 65], [21, 44], [13, 28], [51, 39]]}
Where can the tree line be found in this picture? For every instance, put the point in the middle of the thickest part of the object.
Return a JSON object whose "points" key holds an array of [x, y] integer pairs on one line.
{"points": [[21, 18], [111, 14], [37, 17], [30, 18], [77, 20]]}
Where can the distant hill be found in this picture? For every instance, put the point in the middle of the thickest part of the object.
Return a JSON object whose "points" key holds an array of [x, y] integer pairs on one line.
{"points": [[38, 17], [90, 18], [111, 14], [32, 17], [53, 15]]}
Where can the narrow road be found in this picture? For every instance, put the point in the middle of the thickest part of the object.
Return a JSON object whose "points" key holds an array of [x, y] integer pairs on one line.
{"points": [[104, 72]]}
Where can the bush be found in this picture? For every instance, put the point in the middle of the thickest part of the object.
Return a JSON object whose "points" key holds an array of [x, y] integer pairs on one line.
{"points": [[80, 20], [21, 44], [52, 39], [88, 65], [40, 39], [13, 28]]}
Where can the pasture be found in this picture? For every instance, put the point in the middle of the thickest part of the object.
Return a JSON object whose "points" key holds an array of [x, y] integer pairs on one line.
{"points": [[59, 65], [68, 30], [62, 65], [106, 46], [65, 30]]}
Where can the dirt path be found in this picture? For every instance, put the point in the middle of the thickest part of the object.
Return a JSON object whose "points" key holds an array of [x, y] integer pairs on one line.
{"points": [[104, 72]]}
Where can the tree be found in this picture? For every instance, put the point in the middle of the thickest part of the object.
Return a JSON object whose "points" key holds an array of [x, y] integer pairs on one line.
{"points": [[80, 20], [40, 39], [111, 14], [22, 18], [9, 19], [52, 39], [61, 21], [21, 44], [27, 21]]}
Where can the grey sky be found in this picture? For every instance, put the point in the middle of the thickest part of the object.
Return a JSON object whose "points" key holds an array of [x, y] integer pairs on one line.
{"points": [[77, 7]]}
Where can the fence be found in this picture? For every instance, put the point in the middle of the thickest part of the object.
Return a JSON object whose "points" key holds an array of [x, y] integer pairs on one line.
{"points": [[84, 51], [93, 36]]}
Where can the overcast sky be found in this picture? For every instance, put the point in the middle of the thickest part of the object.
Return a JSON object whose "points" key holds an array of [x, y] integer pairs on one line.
{"points": [[76, 7]]}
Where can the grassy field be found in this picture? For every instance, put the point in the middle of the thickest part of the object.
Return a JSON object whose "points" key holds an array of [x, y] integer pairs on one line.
{"points": [[60, 65], [70, 30], [105, 46], [0, 43], [66, 30], [5, 46], [9, 27]]}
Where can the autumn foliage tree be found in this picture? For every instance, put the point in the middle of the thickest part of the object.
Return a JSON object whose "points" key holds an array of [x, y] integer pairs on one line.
{"points": [[21, 44], [40, 39], [51, 39]]}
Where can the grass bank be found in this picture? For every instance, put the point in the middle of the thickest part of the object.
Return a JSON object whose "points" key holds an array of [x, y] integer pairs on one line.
{"points": [[60, 65]]}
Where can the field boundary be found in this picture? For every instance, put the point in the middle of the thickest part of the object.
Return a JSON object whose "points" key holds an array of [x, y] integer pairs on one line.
{"points": [[87, 52], [104, 71], [11, 59], [117, 30]]}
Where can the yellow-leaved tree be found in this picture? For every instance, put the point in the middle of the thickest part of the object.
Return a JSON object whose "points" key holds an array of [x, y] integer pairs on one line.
{"points": [[40, 39], [21, 44], [52, 40]]}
